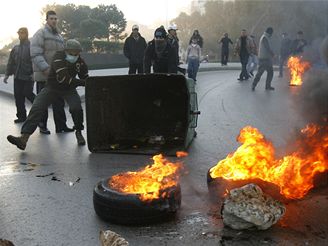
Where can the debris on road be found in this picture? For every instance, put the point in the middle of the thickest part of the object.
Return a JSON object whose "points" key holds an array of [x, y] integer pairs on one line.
{"points": [[110, 238], [5, 243]]}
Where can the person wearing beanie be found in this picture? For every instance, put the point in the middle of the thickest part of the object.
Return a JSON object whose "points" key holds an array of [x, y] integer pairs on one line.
{"points": [[160, 54], [61, 82], [134, 49], [265, 60], [20, 65]]}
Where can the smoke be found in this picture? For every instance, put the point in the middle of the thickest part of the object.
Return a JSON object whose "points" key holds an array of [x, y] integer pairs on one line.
{"points": [[313, 97]]}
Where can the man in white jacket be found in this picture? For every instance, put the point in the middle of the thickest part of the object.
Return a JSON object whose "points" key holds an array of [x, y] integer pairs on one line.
{"points": [[44, 44]]}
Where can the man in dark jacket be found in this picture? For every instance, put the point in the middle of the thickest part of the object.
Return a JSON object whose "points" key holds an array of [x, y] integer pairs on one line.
{"points": [[160, 54], [61, 82], [173, 39], [285, 50], [199, 38], [20, 65], [134, 48], [225, 41], [298, 44], [265, 60]]}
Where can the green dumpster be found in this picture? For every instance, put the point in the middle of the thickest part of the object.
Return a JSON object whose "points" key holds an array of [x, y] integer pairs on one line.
{"points": [[140, 114]]}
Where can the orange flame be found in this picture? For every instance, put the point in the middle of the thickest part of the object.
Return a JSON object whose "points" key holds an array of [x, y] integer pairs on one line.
{"points": [[181, 154], [297, 67], [293, 173], [150, 182]]}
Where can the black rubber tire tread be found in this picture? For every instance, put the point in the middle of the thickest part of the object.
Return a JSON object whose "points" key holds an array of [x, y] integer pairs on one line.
{"points": [[128, 209]]}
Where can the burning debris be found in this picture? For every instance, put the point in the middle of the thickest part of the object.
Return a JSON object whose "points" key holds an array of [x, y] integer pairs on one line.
{"points": [[150, 182], [248, 208], [293, 173], [110, 238], [297, 67]]}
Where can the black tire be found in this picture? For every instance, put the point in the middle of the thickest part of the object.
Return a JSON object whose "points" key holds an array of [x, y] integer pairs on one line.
{"points": [[128, 209]]}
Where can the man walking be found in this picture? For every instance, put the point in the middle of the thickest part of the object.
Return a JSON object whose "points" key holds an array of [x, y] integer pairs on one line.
{"points": [[265, 60], [243, 48], [252, 59], [225, 41], [61, 82], [44, 44], [285, 50], [160, 54], [20, 65], [134, 48]]}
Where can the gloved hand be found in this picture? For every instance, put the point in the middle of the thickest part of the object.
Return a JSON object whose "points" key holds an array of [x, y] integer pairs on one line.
{"points": [[5, 79]]}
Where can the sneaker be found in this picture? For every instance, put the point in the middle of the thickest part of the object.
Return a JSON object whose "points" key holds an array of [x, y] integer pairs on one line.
{"points": [[79, 138], [44, 130], [270, 88], [240, 79], [18, 141], [19, 120], [65, 129]]}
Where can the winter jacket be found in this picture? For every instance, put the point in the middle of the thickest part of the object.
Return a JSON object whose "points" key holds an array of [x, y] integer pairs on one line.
{"points": [[134, 49], [20, 63], [166, 63], [285, 47], [62, 75], [265, 50], [193, 52], [225, 43], [298, 46], [44, 44], [249, 45], [174, 41]]}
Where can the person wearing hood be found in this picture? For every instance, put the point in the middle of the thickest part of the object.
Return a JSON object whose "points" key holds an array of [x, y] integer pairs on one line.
{"points": [[61, 82], [160, 54], [266, 56], [199, 38], [44, 44], [134, 48], [20, 65]]}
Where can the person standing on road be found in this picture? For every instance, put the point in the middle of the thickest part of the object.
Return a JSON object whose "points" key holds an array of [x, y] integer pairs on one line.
{"points": [[252, 60], [173, 39], [134, 48], [20, 65], [225, 41], [243, 48], [61, 82], [285, 50], [160, 54], [193, 58], [298, 44], [44, 44], [199, 38], [265, 60]]}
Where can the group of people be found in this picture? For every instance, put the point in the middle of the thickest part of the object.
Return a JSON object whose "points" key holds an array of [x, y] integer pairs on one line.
{"points": [[54, 65], [251, 56], [162, 53]]}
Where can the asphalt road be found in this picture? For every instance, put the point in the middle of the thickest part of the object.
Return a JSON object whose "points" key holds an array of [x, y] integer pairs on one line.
{"points": [[41, 211]]}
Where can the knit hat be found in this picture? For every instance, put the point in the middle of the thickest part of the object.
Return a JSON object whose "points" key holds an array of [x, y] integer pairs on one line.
{"points": [[134, 27], [160, 33], [269, 30], [73, 44]]}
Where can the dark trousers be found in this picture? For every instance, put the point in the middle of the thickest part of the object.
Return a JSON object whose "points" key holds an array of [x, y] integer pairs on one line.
{"points": [[264, 65], [58, 105], [193, 65], [134, 67], [48, 96], [23, 89], [282, 62], [243, 60], [224, 56]]}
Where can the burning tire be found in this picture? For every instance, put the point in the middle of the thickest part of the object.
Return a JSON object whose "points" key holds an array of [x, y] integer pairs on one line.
{"points": [[129, 209]]}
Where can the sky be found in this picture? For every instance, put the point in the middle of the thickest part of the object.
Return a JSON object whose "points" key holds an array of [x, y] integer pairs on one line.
{"points": [[19, 13]]}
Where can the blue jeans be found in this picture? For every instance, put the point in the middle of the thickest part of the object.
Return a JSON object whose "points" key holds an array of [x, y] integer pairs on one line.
{"points": [[193, 65]]}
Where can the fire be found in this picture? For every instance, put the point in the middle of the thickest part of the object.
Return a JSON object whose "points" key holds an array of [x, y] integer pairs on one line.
{"points": [[297, 67], [150, 182], [181, 154], [293, 173]]}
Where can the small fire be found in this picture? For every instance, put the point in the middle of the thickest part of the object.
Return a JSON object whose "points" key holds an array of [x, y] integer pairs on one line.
{"points": [[181, 154], [297, 67], [293, 173], [150, 182]]}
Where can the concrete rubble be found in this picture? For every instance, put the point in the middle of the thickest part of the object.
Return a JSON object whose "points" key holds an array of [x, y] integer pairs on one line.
{"points": [[110, 238], [248, 208]]}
